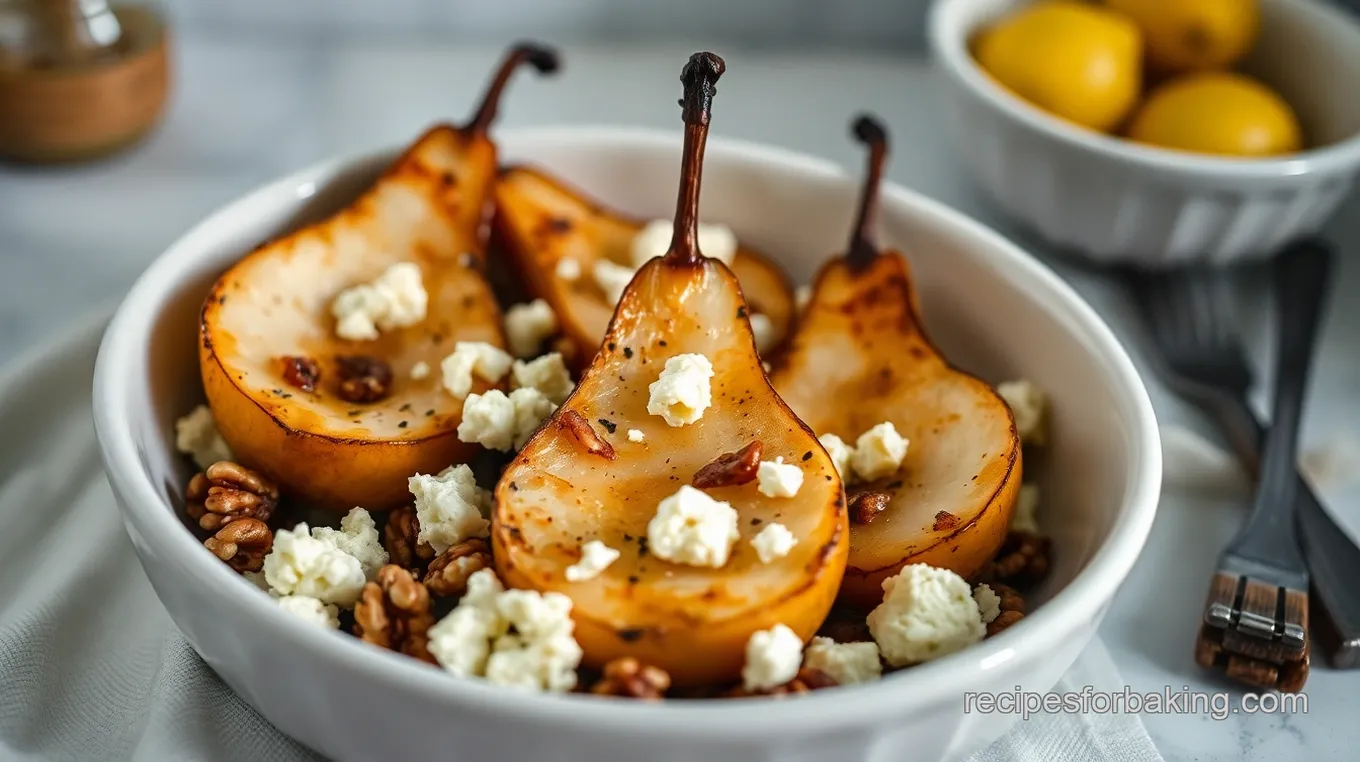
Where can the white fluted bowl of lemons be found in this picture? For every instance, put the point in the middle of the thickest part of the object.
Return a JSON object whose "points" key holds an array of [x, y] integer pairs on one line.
{"points": [[1155, 132]]}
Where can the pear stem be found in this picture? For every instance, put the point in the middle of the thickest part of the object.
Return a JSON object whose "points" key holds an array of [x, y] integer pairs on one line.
{"points": [[544, 59], [700, 77], [871, 132]]}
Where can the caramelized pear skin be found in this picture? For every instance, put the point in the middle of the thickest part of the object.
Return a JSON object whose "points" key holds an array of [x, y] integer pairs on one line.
{"points": [[559, 492], [859, 357], [429, 208], [541, 220]]}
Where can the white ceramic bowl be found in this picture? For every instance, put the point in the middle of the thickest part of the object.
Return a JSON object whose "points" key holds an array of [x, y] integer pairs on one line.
{"points": [[992, 308], [1114, 200]]}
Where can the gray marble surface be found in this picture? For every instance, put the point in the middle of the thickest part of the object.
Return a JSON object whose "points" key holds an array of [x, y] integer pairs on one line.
{"points": [[247, 109]]}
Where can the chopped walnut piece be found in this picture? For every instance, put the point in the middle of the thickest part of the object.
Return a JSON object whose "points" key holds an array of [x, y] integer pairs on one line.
{"points": [[944, 521], [394, 612], [363, 378], [580, 428], [242, 544], [1012, 607], [629, 678], [1022, 561], [865, 506], [449, 571], [301, 372], [731, 469], [401, 539], [805, 681], [227, 492]]}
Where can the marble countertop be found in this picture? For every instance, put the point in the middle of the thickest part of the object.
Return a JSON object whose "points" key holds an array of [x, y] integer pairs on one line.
{"points": [[246, 110]]}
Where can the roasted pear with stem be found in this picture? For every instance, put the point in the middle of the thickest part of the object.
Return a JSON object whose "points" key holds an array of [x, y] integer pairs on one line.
{"points": [[338, 422], [585, 476], [860, 357], [556, 237]]}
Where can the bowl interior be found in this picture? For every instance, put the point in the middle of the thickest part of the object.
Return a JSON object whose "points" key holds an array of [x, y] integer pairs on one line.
{"points": [[993, 311], [1308, 53]]}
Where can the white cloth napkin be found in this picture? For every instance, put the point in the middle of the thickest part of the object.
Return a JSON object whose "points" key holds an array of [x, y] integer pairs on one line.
{"points": [[91, 667]]}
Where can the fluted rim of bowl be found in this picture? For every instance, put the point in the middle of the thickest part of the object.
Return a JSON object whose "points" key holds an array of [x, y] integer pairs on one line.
{"points": [[948, 39], [933, 683]]}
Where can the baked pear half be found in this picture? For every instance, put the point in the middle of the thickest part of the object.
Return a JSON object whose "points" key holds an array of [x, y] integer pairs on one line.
{"points": [[339, 422], [542, 222], [860, 357], [586, 476]]}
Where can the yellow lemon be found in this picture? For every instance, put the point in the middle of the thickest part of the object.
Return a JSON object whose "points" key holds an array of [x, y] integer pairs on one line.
{"points": [[1079, 62], [1193, 35], [1219, 113]]}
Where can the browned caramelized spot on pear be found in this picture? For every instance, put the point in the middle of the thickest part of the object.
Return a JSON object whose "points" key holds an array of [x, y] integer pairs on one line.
{"points": [[944, 521], [580, 429], [865, 506], [694, 622], [731, 469], [301, 372], [860, 357], [363, 378]]}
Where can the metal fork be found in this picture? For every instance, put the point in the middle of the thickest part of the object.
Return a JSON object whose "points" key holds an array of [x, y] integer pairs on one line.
{"points": [[1256, 618]]}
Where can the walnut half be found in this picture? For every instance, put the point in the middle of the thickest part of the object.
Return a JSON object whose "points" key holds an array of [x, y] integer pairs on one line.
{"points": [[242, 544], [449, 571], [226, 492], [1022, 561], [394, 613], [629, 678], [401, 539]]}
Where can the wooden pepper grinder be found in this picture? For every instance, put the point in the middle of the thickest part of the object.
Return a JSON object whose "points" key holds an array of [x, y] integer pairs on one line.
{"points": [[79, 79]]}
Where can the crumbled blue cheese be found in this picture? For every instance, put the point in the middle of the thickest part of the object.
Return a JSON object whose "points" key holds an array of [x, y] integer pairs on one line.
{"points": [[568, 269], [772, 658], [595, 558], [1025, 518], [527, 326], [516, 638], [694, 529], [548, 374], [395, 299], [532, 408], [879, 452], [357, 536], [488, 420], [469, 358], [311, 610], [773, 542], [1029, 406], [775, 478], [926, 613], [450, 507], [766, 334], [683, 391], [841, 454], [654, 240], [196, 435], [989, 603], [498, 421], [636, 435], [612, 278], [420, 371], [846, 663], [300, 564]]}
